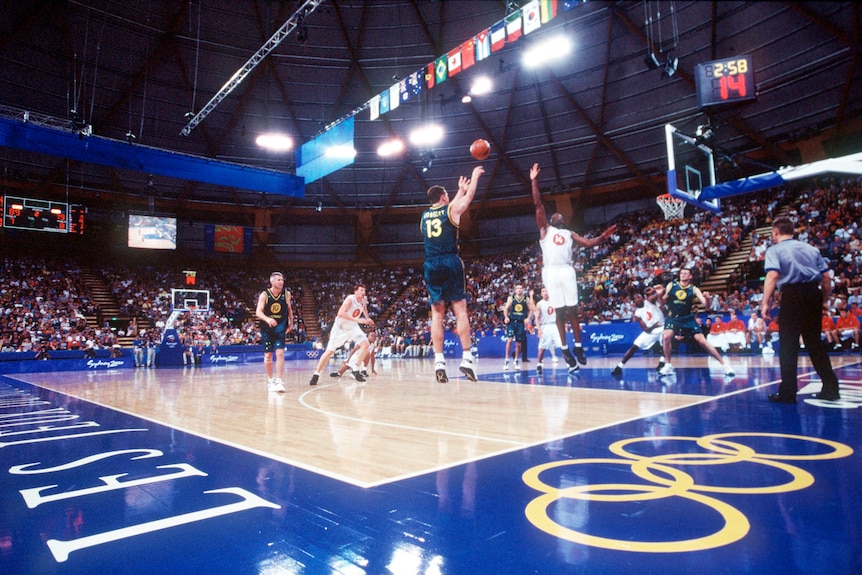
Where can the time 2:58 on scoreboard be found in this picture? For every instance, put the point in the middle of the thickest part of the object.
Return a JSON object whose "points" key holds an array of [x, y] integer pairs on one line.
{"points": [[725, 81]]}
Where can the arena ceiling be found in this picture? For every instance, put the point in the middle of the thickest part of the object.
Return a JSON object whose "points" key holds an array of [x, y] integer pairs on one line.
{"points": [[138, 72]]}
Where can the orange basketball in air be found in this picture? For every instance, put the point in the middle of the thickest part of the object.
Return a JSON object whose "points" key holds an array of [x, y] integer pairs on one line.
{"points": [[480, 149]]}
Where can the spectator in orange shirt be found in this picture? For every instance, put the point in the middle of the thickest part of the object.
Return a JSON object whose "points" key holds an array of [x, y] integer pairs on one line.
{"points": [[771, 333], [827, 329], [736, 332], [847, 327], [718, 334]]}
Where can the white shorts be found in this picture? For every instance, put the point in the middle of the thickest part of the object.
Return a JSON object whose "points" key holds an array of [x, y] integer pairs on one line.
{"points": [[646, 340], [562, 284], [550, 337], [735, 337], [846, 333], [717, 340], [339, 335]]}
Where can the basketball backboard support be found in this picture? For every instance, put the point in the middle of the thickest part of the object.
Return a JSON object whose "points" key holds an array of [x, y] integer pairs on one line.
{"points": [[850, 164], [190, 299], [691, 168]]}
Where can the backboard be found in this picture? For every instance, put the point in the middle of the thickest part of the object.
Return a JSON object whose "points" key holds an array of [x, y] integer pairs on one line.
{"points": [[691, 168], [190, 299]]}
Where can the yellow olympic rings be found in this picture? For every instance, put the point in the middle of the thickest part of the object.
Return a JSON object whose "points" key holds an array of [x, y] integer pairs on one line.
{"points": [[668, 481]]}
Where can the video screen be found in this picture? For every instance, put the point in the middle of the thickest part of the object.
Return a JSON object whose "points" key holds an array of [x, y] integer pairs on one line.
{"points": [[152, 232]]}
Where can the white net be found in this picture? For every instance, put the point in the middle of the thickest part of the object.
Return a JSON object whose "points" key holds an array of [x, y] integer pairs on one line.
{"points": [[673, 208]]}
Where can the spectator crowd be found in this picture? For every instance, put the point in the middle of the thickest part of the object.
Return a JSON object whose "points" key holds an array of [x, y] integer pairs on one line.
{"points": [[45, 304]]}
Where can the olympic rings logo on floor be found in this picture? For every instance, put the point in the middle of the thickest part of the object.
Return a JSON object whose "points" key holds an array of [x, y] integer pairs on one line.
{"points": [[665, 480]]}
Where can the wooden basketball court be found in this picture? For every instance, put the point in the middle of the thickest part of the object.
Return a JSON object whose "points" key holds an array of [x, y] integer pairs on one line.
{"points": [[123, 471]]}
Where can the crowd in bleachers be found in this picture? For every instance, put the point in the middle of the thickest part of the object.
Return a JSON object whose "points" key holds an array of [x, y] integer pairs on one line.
{"points": [[45, 303]]}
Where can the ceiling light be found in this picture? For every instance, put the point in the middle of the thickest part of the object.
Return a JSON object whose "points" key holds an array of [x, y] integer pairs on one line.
{"points": [[426, 136], [274, 142], [343, 152], [546, 51], [652, 62], [481, 86], [390, 148]]}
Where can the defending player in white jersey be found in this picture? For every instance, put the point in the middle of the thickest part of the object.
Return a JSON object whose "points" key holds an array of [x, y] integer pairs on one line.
{"points": [[351, 314], [549, 334], [558, 272], [651, 319]]}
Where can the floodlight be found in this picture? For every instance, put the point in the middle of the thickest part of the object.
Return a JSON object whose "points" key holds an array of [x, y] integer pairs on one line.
{"points": [[390, 148], [546, 51], [274, 142], [426, 136]]}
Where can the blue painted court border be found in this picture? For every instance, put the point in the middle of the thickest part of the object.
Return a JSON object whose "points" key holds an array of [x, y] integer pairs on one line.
{"points": [[466, 519]]}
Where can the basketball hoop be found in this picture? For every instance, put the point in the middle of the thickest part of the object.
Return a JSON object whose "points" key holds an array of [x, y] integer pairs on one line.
{"points": [[672, 207]]}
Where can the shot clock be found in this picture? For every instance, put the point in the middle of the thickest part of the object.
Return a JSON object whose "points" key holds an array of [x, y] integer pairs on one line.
{"points": [[725, 81]]}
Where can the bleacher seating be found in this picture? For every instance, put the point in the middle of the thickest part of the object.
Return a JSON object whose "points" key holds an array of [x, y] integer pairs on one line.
{"points": [[49, 301]]}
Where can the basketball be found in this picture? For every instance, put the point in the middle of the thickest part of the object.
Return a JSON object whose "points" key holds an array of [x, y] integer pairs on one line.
{"points": [[480, 149]]}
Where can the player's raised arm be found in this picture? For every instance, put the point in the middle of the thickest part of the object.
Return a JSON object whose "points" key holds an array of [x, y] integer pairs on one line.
{"points": [[466, 192], [592, 242], [541, 215]]}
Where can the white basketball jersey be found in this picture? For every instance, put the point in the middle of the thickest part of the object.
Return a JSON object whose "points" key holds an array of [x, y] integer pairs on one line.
{"points": [[650, 313], [355, 311], [556, 247], [547, 312]]}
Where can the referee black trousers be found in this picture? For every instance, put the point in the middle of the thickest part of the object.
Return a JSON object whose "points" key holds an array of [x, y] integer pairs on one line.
{"points": [[800, 315]]}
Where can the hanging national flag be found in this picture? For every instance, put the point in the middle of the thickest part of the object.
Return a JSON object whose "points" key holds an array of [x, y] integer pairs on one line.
{"points": [[532, 18], [468, 54], [498, 36], [415, 83], [440, 69], [394, 96], [374, 106], [430, 75], [569, 4], [513, 26], [454, 61], [403, 91], [384, 101], [483, 44], [549, 10]]}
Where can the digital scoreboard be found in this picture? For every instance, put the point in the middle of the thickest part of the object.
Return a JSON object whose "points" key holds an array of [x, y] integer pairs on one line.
{"points": [[42, 215], [725, 81]]}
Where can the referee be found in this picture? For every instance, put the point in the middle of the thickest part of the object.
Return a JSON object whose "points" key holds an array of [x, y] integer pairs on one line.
{"points": [[802, 274]]}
